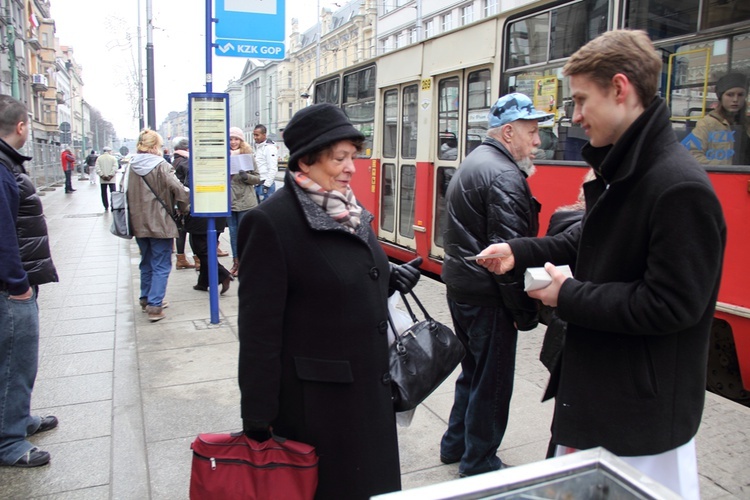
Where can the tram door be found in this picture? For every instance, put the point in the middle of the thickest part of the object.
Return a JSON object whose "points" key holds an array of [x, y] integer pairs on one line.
{"points": [[464, 99], [399, 165]]}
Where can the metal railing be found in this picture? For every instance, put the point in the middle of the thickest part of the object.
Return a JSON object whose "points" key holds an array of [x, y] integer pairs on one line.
{"points": [[45, 168]]}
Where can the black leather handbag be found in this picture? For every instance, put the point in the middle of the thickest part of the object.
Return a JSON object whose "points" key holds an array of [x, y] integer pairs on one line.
{"points": [[421, 358]]}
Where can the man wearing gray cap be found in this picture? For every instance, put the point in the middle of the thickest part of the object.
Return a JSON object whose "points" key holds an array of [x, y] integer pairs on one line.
{"points": [[106, 169], [489, 201]]}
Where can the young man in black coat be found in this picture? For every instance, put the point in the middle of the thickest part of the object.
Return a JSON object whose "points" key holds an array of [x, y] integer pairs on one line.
{"points": [[648, 261]]}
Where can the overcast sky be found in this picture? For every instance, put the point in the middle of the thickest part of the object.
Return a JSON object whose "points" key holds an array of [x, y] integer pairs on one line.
{"points": [[103, 35]]}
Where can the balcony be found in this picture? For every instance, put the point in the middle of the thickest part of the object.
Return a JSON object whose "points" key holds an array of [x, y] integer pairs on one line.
{"points": [[34, 43], [39, 82]]}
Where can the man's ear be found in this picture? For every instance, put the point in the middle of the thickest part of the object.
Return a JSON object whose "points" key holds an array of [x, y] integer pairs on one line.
{"points": [[622, 87], [506, 132]]}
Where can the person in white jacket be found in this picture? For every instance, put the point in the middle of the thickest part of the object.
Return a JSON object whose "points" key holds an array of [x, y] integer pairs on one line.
{"points": [[106, 168], [267, 161]]}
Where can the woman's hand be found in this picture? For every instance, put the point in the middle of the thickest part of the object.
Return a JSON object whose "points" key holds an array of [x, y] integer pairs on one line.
{"points": [[405, 277]]}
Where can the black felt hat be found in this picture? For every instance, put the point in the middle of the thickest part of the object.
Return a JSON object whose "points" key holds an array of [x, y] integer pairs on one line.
{"points": [[315, 127]]}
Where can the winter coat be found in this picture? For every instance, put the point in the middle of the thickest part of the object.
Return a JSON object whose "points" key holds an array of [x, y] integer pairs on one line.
{"points": [[313, 344], [148, 217], [648, 260], [267, 161], [181, 166], [106, 168], [718, 140], [31, 238], [68, 160], [243, 190], [488, 201]]}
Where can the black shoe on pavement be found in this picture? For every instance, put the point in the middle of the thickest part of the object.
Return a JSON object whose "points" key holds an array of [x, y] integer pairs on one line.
{"points": [[48, 423], [448, 460], [200, 288], [33, 458]]}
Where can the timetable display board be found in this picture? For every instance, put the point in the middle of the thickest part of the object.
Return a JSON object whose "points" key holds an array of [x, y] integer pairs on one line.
{"points": [[208, 115]]}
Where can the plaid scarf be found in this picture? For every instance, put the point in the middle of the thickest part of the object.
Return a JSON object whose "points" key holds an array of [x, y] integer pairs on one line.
{"points": [[342, 208]]}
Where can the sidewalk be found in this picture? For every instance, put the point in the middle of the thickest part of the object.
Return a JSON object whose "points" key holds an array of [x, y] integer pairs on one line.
{"points": [[132, 395]]}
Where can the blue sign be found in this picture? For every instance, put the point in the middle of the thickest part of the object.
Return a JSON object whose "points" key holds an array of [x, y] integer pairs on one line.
{"points": [[250, 28]]}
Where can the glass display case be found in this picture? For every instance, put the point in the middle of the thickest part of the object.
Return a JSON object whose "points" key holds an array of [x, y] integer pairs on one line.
{"points": [[594, 474]]}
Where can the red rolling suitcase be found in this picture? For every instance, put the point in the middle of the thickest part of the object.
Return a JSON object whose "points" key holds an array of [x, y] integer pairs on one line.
{"points": [[233, 466]]}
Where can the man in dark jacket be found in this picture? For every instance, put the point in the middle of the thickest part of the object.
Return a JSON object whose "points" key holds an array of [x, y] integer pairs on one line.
{"points": [[24, 263], [488, 201], [648, 261]]}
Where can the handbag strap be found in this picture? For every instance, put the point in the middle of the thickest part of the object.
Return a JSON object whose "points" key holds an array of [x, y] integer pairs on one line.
{"points": [[408, 307], [172, 216]]}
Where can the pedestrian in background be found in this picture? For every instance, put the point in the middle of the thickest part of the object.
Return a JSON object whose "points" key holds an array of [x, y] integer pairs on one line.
{"points": [[181, 164], [488, 201], [90, 165], [25, 263], [724, 133], [267, 161], [106, 168], [68, 164], [153, 192], [244, 197], [648, 258], [314, 284]]}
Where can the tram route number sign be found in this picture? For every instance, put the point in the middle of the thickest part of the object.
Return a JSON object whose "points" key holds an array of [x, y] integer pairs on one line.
{"points": [[250, 28]]}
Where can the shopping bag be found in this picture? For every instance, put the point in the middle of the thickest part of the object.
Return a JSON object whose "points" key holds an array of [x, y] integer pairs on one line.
{"points": [[233, 466], [120, 217]]}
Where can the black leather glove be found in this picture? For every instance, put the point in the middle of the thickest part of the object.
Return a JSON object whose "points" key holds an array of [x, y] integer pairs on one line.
{"points": [[243, 176], [257, 431], [404, 277]]}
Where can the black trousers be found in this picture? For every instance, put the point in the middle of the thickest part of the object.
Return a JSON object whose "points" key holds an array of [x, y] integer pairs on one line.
{"points": [[105, 196], [199, 244], [68, 185]]}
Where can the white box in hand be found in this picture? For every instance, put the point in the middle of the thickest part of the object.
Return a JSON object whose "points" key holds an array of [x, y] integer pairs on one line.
{"points": [[536, 277]]}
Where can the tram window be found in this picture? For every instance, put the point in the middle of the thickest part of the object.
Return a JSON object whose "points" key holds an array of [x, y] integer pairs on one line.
{"points": [[387, 197], [683, 89], [448, 97], [527, 41], [409, 122], [662, 19], [443, 178], [390, 123], [719, 13], [406, 201], [556, 33], [327, 91], [479, 95], [359, 104], [574, 25]]}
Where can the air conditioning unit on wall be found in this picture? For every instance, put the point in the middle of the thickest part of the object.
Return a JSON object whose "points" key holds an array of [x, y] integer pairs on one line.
{"points": [[39, 79]]}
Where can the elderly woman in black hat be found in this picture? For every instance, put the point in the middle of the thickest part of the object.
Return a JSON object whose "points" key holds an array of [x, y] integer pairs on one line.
{"points": [[313, 312], [723, 135]]}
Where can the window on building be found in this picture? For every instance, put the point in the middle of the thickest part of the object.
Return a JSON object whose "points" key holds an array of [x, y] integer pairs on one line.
{"points": [[413, 35], [290, 111], [467, 14], [289, 79], [490, 8], [447, 21], [429, 28], [400, 40]]}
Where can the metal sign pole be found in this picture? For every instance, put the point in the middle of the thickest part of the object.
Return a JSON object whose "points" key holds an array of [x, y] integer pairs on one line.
{"points": [[213, 262]]}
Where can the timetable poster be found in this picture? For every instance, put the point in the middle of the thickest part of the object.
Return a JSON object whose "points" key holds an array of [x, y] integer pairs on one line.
{"points": [[209, 155]]}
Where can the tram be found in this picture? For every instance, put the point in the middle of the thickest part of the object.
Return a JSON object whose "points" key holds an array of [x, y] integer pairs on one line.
{"points": [[423, 108]]}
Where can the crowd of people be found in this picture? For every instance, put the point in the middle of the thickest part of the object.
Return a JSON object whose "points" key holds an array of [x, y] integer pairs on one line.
{"points": [[645, 242]]}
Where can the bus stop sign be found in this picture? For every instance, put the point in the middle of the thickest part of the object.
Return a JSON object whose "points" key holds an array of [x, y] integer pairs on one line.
{"points": [[250, 28]]}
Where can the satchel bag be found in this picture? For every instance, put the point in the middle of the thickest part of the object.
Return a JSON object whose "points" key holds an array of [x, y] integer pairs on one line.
{"points": [[421, 358], [120, 215], [179, 222], [233, 466]]}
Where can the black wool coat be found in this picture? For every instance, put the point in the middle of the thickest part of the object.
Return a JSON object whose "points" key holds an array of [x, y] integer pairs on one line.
{"points": [[313, 345], [648, 260]]}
